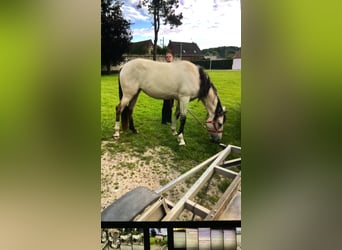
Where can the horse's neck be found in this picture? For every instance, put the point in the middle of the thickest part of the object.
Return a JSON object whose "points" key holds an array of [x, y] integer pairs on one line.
{"points": [[210, 103]]}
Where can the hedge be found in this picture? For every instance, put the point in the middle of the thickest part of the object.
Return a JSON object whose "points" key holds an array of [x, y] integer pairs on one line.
{"points": [[215, 64]]}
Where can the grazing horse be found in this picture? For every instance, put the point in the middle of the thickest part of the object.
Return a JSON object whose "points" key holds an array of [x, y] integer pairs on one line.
{"points": [[158, 238], [180, 80], [126, 238], [138, 238]]}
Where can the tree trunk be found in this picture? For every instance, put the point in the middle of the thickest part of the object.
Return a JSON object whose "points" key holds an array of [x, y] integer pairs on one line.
{"points": [[156, 30], [155, 46]]}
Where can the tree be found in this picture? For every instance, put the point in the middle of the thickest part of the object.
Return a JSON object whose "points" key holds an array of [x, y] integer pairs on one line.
{"points": [[162, 10], [161, 51], [115, 33], [138, 50], [153, 232]]}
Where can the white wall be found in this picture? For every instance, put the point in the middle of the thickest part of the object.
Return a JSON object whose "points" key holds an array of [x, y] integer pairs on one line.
{"points": [[236, 63]]}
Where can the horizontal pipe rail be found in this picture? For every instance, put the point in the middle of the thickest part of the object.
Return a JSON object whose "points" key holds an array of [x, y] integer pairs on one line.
{"points": [[232, 163], [225, 172], [186, 175]]}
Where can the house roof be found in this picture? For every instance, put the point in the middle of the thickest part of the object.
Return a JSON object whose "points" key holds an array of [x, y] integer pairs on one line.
{"points": [[187, 49], [146, 43], [142, 47]]}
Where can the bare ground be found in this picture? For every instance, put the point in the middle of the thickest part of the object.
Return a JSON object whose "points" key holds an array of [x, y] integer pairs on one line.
{"points": [[124, 171]]}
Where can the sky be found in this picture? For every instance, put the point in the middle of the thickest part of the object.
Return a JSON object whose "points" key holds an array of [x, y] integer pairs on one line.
{"points": [[209, 23]]}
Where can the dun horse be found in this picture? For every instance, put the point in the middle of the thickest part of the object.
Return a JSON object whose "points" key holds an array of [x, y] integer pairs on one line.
{"points": [[180, 80]]}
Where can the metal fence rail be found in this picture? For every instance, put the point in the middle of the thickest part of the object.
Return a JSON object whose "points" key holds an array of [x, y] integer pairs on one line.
{"points": [[161, 209], [185, 201]]}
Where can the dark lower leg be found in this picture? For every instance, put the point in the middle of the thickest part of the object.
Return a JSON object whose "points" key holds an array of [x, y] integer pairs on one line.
{"points": [[182, 123], [125, 119], [118, 113], [131, 123], [166, 112]]}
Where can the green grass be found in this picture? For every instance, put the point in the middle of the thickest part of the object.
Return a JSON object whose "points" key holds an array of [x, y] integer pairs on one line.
{"points": [[147, 119]]}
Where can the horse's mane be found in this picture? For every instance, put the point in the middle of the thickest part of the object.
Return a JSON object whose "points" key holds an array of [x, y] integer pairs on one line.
{"points": [[205, 84]]}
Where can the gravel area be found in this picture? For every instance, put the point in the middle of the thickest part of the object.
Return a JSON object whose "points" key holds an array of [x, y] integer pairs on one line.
{"points": [[122, 172]]}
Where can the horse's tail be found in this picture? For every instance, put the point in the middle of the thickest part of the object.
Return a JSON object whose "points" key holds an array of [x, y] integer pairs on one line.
{"points": [[120, 89], [125, 112]]}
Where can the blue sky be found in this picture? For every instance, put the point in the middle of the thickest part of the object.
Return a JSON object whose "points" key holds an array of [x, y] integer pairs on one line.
{"points": [[209, 23]]}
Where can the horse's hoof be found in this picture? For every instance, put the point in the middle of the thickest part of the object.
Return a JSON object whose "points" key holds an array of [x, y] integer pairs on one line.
{"points": [[180, 139]]}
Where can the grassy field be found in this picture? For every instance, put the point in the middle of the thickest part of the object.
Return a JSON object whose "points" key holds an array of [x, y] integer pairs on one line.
{"points": [[147, 118]]}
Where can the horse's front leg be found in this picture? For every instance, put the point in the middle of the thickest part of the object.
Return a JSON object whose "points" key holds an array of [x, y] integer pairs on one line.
{"points": [[183, 106], [174, 120], [182, 124], [180, 137]]}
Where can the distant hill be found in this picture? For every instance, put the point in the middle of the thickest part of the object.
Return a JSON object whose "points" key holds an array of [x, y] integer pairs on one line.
{"points": [[227, 52]]}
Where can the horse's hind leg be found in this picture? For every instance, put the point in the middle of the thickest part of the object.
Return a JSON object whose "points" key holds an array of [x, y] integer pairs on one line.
{"points": [[131, 123], [130, 114], [120, 111], [117, 122]]}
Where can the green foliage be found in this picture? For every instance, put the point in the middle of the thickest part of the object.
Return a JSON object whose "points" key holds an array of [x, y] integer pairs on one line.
{"points": [[161, 51], [221, 52], [115, 33], [165, 11], [147, 119], [138, 50]]}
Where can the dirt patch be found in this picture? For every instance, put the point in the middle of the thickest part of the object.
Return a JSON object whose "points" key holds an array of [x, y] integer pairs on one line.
{"points": [[124, 171]]}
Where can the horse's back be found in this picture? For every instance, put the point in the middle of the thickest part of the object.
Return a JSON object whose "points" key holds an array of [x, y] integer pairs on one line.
{"points": [[160, 79]]}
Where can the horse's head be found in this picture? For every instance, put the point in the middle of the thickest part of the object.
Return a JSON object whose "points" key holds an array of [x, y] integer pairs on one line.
{"points": [[216, 114], [215, 125]]}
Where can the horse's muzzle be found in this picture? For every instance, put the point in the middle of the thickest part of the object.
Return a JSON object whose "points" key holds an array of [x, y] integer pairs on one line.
{"points": [[214, 131], [215, 138]]}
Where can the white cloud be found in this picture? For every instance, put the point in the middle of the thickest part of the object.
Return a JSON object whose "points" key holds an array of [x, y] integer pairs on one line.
{"points": [[133, 14], [208, 23]]}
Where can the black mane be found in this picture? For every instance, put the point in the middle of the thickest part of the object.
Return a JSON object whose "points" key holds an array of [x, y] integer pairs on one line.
{"points": [[205, 84], [219, 110]]}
